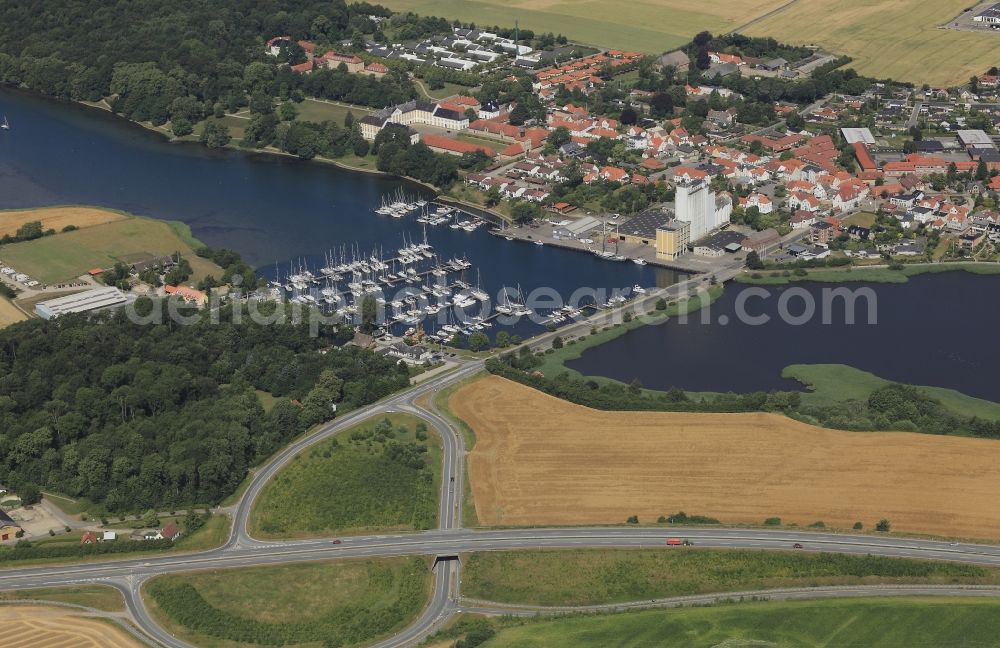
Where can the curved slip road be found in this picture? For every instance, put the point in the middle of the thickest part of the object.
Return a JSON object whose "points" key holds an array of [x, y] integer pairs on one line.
{"points": [[242, 550]]}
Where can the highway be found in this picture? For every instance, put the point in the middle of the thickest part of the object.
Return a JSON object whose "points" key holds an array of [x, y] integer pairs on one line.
{"points": [[450, 539]]}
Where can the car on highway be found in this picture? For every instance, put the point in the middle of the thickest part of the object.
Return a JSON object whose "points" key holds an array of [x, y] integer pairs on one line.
{"points": [[797, 545], [335, 541]]}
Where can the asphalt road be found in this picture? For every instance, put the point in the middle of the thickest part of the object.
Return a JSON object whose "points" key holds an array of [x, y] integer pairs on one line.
{"points": [[242, 550]]}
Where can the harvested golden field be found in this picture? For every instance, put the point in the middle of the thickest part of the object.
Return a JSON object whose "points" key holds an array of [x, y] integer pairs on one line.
{"points": [[900, 39], [55, 218], [574, 465], [9, 313], [35, 626]]}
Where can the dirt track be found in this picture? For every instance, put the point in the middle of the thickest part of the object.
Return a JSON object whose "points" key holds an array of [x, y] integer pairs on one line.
{"points": [[35, 626], [541, 460]]}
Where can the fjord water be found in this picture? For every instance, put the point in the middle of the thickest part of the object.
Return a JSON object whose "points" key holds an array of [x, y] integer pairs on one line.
{"points": [[273, 210], [934, 330], [937, 330]]}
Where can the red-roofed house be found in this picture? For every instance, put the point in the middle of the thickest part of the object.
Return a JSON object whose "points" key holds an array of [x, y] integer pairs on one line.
{"points": [[722, 57], [302, 68], [332, 60], [376, 69], [688, 174], [614, 174], [758, 200], [864, 158]]}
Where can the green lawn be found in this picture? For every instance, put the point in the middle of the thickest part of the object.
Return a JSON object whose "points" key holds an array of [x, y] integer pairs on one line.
{"points": [[862, 219], [597, 576], [447, 90], [868, 623], [356, 482], [834, 384], [320, 111], [99, 597], [340, 603], [63, 256]]}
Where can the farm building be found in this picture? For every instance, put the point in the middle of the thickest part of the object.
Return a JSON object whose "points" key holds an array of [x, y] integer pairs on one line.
{"points": [[8, 527], [82, 302]]}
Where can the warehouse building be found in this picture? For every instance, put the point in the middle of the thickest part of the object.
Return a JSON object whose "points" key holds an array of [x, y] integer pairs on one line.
{"points": [[82, 302]]}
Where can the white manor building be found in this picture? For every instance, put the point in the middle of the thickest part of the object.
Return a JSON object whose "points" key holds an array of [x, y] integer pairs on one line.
{"points": [[413, 112]]}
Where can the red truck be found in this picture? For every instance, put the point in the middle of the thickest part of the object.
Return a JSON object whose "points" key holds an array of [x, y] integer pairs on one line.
{"points": [[677, 542]]}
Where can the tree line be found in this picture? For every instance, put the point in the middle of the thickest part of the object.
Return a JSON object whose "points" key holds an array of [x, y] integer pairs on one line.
{"points": [[895, 407], [137, 416]]}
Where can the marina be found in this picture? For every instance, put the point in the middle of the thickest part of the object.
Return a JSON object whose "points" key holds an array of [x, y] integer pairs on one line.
{"points": [[416, 292], [284, 215]]}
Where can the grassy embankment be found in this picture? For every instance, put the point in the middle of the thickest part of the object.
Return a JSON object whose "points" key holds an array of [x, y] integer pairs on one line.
{"points": [[863, 274], [99, 597], [873, 623], [346, 602], [554, 360], [600, 576], [126, 238], [353, 485], [834, 384], [441, 398]]}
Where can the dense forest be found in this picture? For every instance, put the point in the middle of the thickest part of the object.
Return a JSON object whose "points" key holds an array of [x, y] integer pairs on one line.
{"points": [[184, 59], [138, 416]]}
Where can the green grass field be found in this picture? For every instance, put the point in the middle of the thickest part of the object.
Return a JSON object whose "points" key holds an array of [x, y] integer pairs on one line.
{"points": [[343, 603], [836, 384], [900, 39], [447, 90], [598, 576], [646, 26], [320, 111], [353, 485], [850, 274], [868, 623], [99, 597], [63, 256]]}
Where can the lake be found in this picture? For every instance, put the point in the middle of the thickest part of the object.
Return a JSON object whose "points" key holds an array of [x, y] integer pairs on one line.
{"points": [[937, 329]]}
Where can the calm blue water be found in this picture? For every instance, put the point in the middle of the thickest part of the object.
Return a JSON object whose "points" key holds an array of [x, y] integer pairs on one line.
{"points": [[271, 209], [934, 330]]}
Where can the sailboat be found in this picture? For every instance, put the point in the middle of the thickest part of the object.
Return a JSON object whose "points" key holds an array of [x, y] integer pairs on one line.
{"points": [[5, 125]]}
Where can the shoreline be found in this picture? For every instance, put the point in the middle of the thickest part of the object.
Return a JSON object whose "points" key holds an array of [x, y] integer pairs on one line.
{"points": [[103, 106], [880, 273]]}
